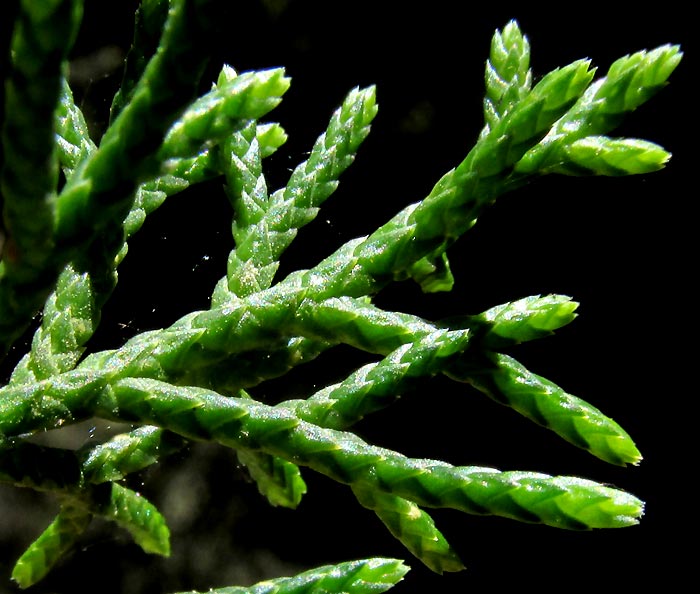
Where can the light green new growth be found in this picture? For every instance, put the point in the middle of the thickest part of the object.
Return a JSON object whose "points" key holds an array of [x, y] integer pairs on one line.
{"points": [[59, 538], [367, 576], [199, 379], [412, 526], [508, 76]]}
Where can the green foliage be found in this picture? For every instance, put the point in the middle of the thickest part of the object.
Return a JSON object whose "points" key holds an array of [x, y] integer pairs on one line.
{"points": [[198, 380], [356, 577]]}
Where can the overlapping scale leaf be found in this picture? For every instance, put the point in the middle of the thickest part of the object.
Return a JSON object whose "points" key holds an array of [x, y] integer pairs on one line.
{"points": [[278, 480]]}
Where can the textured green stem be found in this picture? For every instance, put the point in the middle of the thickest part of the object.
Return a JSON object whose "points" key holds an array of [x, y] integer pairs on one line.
{"points": [[209, 339], [314, 180], [268, 320], [246, 188], [515, 322], [498, 327], [249, 369], [366, 576], [61, 472], [43, 36], [204, 338], [376, 385], [412, 526], [132, 512], [127, 452], [265, 226], [57, 540], [510, 383], [564, 502]]}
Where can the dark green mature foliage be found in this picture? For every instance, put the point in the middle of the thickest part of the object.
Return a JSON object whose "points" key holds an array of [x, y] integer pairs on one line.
{"points": [[198, 379]]}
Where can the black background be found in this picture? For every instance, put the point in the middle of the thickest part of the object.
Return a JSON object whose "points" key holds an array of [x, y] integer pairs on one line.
{"points": [[623, 248]]}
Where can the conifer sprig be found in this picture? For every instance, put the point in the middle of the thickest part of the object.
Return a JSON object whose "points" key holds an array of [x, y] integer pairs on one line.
{"points": [[505, 380], [214, 116], [72, 312], [42, 37], [631, 81], [173, 356], [508, 77], [564, 502], [412, 526], [366, 576], [98, 196], [47, 550], [189, 381], [149, 18], [62, 473]]}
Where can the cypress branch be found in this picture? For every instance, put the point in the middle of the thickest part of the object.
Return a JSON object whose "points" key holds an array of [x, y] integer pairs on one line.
{"points": [[186, 382], [366, 576], [508, 77], [563, 502], [505, 380], [43, 36], [412, 526]]}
